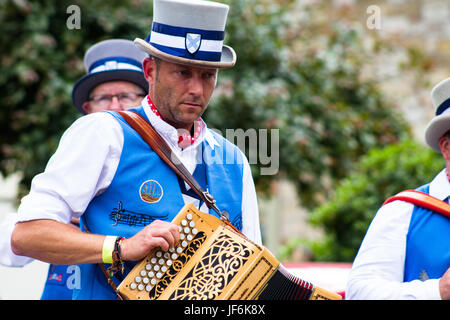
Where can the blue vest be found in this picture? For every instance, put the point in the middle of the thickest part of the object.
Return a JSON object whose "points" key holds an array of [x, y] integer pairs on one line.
{"points": [[56, 286], [145, 188], [427, 244]]}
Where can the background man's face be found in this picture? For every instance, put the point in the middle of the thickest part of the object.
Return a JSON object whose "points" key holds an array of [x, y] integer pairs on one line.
{"points": [[100, 97]]}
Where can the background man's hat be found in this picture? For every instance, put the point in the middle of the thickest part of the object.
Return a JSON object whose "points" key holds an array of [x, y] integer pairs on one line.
{"points": [[189, 32], [109, 60], [440, 124]]}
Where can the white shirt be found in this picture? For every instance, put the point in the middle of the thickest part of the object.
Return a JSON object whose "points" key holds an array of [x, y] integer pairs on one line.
{"points": [[86, 160], [378, 269], [7, 257]]}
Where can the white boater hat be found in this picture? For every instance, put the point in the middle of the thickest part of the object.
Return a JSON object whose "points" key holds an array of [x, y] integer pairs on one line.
{"points": [[189, 32], [109, 60], [440, 124]]}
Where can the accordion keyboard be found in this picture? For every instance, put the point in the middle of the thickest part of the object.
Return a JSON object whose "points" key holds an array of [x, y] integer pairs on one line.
{"points": [[156, 266], [150, 277]]}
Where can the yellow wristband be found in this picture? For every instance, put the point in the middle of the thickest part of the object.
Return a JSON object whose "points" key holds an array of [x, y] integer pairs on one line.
{"points": [[108, 248]]}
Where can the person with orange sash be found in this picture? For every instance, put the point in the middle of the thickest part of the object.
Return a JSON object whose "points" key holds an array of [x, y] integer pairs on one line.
{"points": [[405, 253]]}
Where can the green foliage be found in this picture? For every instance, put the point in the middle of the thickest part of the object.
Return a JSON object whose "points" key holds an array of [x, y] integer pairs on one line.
{"points": [[382, 173], [297, 71], [300, 72], [41, 61]]}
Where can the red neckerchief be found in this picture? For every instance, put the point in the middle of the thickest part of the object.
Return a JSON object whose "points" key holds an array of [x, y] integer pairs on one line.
{"points": [[446, 172], [184, 137]]}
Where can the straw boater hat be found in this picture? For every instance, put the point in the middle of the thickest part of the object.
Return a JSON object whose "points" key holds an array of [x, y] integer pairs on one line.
{"points": [[189, 32], [440, 124], [109, 60]]}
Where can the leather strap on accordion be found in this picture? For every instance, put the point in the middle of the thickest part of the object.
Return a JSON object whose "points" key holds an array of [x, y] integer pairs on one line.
{"points": [[250, 266]]}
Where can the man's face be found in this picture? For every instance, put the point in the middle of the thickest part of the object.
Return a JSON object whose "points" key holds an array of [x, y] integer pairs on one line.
{"points": [[181, 93], [115, 96]]}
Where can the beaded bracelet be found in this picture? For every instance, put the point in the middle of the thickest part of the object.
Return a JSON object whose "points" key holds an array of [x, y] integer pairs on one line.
{"points": [[117, 263]]}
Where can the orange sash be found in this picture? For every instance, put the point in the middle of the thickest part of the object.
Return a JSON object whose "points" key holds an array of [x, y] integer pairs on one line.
{"points": [[423, 200]]}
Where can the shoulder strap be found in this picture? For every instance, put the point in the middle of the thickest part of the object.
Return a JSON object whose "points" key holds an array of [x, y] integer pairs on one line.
{"points": [[423, 200], [160, 146]]}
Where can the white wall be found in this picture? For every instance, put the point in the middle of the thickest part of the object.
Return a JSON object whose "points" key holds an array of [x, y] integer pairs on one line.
{"points": [[18, 283]]}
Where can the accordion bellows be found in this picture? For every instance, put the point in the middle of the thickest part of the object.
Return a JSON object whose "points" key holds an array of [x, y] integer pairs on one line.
{"points": [[214, 262]]}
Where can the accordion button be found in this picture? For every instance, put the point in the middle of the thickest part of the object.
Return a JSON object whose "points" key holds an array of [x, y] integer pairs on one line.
{"points": [[146, 280], [148, 288], [151, 274], [174, 256], [133, 286], [159, 275], [184, 243], [156, 268], [184, 223], [180, 228], [189, 237], [153, 281], [194, 231], [143, 273], [148, 266], [159, 254], [181, 236], [153, 260], [138, 279], [169, 262], [166, 255], [189, 216], [161, 261], [141, 287], [179, 250], [192, 224], [172, 249], [187, 230]]}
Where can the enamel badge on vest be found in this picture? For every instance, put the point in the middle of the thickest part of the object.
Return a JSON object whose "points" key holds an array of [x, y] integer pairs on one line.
{"points": [[151, 191]]}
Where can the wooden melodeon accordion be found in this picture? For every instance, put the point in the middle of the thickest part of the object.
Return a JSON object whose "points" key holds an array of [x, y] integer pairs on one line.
{"points": [[214, 261]]}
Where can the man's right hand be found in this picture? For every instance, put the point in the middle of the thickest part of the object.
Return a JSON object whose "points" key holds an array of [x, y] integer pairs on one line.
{"points": [[444, 285], [157, 234]]}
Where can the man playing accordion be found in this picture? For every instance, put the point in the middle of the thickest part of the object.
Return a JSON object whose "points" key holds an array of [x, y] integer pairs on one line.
{"points": [[125, 195]]}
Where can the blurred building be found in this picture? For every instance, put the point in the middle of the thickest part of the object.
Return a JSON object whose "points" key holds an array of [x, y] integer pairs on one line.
{"points": [[418, 34]]}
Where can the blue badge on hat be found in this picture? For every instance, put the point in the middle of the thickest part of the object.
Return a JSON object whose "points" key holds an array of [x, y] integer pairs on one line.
{"points": [[193, 42]]}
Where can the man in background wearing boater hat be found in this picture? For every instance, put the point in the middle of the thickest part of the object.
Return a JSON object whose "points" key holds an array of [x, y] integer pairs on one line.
{"points": [[114, 69], [405, 253], [110, 170]]}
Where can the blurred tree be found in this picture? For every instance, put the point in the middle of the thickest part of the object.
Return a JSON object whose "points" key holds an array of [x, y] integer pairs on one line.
{"points": [[382, 173], [302, 73], [41, 60], [296, 72]]}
